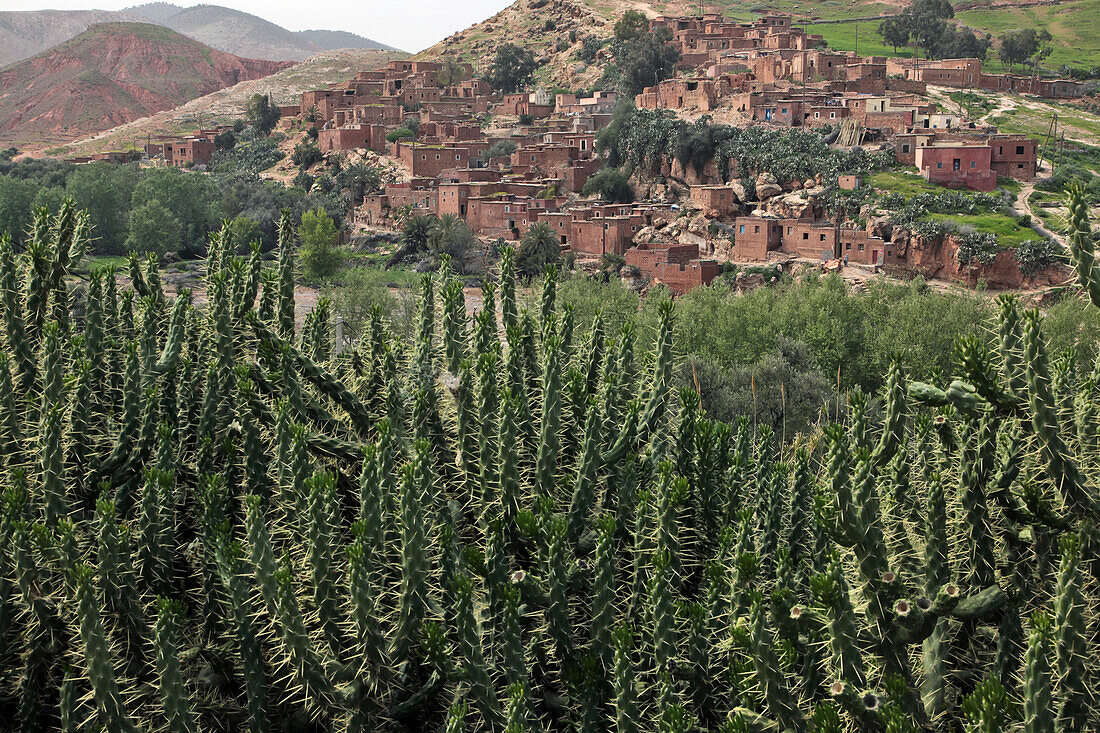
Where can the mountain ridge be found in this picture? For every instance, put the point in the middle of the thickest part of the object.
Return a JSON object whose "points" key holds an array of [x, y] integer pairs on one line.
{"points": [[24, 33], [110, 74]]}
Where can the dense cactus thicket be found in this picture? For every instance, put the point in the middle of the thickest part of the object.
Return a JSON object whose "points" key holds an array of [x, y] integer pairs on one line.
{"points": [[212, 522]]}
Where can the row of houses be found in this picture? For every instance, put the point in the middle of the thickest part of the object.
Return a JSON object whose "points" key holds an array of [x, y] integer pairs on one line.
{"points": [[772, 49]]}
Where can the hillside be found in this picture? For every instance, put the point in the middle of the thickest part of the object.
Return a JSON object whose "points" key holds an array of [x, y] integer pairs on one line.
{"points": [[554, 29], [26, 33], [23, 34], [109, 75], [333, 40], [224, 105]]}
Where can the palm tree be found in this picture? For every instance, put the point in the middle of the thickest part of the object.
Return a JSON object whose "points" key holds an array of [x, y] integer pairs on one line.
{"points": [[414, 238], [538, 247]]}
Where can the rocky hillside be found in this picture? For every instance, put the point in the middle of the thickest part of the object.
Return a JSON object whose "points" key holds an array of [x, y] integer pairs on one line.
{"points": [[552, 29], [225, 105], [26, 33], [111, 74]]}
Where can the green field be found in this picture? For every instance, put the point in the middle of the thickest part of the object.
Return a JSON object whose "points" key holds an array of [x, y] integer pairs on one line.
{"points": [[1004, 227], [1074, 25], [861, 36]]}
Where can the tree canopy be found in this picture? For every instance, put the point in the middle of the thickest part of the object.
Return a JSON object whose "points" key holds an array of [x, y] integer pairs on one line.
{"points": [[512, 69], [261, 113]]}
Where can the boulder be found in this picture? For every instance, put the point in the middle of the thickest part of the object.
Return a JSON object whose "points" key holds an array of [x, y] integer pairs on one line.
{"points": [[738, 190], [746, 281], [699, 225], [690, 238], [765, 191]]}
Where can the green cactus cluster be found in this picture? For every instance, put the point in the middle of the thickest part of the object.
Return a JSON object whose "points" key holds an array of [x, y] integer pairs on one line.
{"points": [[213, 520]]}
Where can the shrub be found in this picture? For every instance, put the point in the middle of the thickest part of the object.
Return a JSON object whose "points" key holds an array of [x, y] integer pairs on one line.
{"points": [[538, 248], [318, 254], [153, 230], [306, 154], [1036, 254], [980, 247], [611, 185], [400, 133], [501, 148]]}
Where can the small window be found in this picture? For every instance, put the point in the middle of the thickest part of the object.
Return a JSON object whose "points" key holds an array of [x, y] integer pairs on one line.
{"points": [[972, 164], [939, 165], [822, 237], [741, 230], [1019, 150], [848, 245], [756, 230], [805, 235], [860, 248], [905, 148]]}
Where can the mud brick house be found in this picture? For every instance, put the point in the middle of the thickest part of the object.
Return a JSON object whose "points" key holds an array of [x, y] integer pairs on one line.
{"points": [[603, 235], [537, 104], [189, 151], [350, 137], [701, 94], [429, 160], [968, 74], [676, 265], [755, 236], [848, 181], [1014, 156], [714, 200], [957, 165], [570, 104]]}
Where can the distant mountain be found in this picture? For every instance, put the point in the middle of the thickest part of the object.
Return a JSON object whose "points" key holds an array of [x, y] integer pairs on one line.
{"points": [[111, 74], [248, 35], [156, 12], [333, 40], [26, 33]]}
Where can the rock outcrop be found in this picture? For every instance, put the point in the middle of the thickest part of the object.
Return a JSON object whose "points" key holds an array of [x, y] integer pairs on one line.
{"points": [[937, 257]]}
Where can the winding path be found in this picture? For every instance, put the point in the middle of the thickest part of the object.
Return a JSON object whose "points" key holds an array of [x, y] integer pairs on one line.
{"points": [[1022, 206]]}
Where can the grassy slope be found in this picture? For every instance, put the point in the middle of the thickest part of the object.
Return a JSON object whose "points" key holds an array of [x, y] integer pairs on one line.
{"points": [[1075, 26], [1006, 229]]}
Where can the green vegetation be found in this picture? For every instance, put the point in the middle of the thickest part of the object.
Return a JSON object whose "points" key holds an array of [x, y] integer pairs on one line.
{"points": [[213, 519], [1074, 27], [642, 58], [318, 254], [261, 113], [196, 202], [399, 133], [512, 68], [611, 185], [641, 140], [901, 182], [538, 249], [1006, 229]]}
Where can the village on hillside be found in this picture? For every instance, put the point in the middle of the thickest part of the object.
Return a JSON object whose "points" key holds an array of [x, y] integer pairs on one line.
{"points": [[532, 162]]}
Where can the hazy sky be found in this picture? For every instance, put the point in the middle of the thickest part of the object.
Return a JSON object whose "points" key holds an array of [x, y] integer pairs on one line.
{"points": [[411, 25]]}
